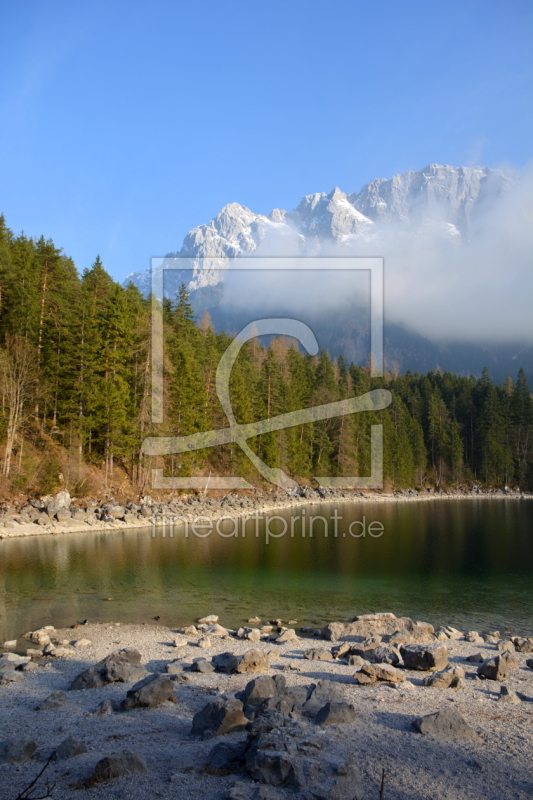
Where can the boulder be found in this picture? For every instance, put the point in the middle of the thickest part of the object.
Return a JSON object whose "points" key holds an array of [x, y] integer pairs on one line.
{"points": [[476, 658], [324, 691], [202, 665], [219, 717], [225, 758], [287, 636], [450, 678], [58, 503], [211, 618], [10, 675], [317, 654], [356, 661], [508, 695], [119, 765], [505, 644], [13, 659], [254, 661], [473, 637], [116, 512], [447, 632], [387, 654], [497, 668], [16, 750], [425, 657], [340, 650], [523, 645], [149, 692], [124, 666], [69, 748], [226, 662], [371, 673], [447, 724], [529, 663], [260, 689], [335, 713]]}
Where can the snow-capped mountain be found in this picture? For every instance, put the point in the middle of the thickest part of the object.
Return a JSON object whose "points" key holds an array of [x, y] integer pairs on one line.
{"points": [[442, 199], [456, 241]]}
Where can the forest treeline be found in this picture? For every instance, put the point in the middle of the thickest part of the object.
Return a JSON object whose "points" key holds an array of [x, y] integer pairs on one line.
{"points": [[76, 395]]}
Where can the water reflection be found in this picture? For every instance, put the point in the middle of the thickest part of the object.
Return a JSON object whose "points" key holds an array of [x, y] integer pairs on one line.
{"points": [[468, 563]]}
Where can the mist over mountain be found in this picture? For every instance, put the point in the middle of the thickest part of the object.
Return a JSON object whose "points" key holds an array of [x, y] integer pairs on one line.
{"points": [[457, 245]]}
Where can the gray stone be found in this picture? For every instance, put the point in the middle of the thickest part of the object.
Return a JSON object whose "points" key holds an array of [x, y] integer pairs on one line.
{"points": [[268, 719], [202, 665], [497, 668], [119, 765], [105, 707], [254, 661], [12, 658], [425, 657], [219, 717], [54, 700], [317, 654], [529, 663], [123, 666], [356, 661], [287, 636], [210, 619], [226, 662], [340, 650], [16, 750], [69, 748], [225, 758], [386, 654], [335, 713], [508, 695], [452, 677], [324, 691], [476, 658], [60, 501], [473, 637], [372, 673], [448, 633], [149, 692], [447, 724], [505, 644], [117, 512], [523, 645], [260, 689], [10, 675]]}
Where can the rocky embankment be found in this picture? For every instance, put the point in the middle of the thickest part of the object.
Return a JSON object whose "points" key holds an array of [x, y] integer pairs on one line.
{"points": [[61, 513], [376, 707]]}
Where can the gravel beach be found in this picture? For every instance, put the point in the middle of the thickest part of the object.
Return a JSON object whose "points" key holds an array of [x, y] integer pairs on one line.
{"points": [[363, 745]]}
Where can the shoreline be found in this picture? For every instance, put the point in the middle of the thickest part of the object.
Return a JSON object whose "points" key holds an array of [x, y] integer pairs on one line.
{"points": [[231, 507]]}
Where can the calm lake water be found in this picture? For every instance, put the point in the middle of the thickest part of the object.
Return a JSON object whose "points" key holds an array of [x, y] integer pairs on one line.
{"points": [[468, 563]]}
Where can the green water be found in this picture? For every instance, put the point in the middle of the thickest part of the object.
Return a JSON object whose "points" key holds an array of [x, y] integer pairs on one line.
{"points": [[468, 563]]}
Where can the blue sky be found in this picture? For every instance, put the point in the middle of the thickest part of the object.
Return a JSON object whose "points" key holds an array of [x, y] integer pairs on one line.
{"points": [[125, 124]]}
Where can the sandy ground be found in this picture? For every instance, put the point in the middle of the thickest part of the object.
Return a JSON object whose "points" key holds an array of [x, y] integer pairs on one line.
{"points": [[416, 767]]}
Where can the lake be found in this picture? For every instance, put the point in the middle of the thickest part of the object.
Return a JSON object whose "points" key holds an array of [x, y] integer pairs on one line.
{"points": [[468, 563]]}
